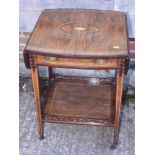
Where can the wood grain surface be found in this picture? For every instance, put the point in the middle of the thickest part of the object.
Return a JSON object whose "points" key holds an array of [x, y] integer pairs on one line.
{"points": [[79, 99], [84, 39], [80, 33], [77, 62]]}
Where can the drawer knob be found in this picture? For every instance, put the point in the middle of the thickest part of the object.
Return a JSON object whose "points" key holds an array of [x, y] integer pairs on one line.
{"points": [[51, 58], [100, 61]]}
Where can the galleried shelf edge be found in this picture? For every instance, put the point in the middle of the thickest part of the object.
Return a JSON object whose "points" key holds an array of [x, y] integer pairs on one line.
{"points": [[82, 39]]}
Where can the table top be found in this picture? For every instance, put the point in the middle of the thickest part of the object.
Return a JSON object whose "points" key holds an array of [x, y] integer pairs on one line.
{"points": [[80, 33]]}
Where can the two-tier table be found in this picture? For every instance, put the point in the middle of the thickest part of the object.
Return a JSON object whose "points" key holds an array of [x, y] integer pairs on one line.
{"points": [[81, 39]]}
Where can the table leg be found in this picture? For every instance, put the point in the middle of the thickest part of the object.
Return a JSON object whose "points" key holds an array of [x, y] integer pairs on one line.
{"points": [[35, 82], [119, 87], [50, 72]]}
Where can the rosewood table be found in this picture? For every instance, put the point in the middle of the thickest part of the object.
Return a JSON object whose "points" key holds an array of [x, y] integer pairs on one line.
{"points": [[82, 39]]}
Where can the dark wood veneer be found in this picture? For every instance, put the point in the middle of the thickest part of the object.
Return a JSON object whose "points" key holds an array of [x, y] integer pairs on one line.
{"points": [[84, 39]]}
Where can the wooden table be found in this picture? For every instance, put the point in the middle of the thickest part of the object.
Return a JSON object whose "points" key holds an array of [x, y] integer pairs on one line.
{"points": [[83, 39]]}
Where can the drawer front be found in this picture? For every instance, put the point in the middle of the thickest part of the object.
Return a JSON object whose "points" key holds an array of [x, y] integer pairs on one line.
{"points": [[77, 62]]}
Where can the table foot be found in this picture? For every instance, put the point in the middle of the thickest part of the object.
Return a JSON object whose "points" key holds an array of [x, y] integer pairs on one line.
{"points": [[113, 146], [41, 137]]}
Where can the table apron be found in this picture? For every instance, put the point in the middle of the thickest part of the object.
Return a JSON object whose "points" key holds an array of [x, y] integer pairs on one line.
{"points": [[77, 63]]}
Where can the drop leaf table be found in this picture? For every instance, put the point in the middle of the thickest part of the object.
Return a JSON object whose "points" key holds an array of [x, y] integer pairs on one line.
{"points": [[80, 39]]}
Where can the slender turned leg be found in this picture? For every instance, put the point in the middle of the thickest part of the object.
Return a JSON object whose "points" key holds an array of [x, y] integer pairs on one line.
{"points": [[35, 82], [119, 87]]}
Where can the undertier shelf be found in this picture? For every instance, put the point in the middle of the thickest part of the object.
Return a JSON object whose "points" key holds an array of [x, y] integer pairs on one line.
{"points": [[81, 102]]}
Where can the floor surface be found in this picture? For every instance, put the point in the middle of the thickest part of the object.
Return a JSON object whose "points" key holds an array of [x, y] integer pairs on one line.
{"points": [[63, 139]]}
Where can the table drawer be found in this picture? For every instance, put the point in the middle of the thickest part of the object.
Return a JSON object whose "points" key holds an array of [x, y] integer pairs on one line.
{"points": [[77, 62]]}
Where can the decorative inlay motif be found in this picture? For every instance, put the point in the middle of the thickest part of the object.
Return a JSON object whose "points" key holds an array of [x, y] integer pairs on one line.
{"points": [[81, 28], [78, 28]]}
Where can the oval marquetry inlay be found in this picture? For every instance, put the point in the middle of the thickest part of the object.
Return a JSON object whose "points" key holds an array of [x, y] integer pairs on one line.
{"points": [[79, 27]]}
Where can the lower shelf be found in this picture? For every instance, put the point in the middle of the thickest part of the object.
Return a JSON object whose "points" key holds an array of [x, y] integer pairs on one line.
{"points": [[77, 101]]}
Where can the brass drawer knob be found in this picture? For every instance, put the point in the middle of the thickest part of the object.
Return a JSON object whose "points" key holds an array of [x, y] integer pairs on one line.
{"points": [[51, 58], [100, 61]]}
